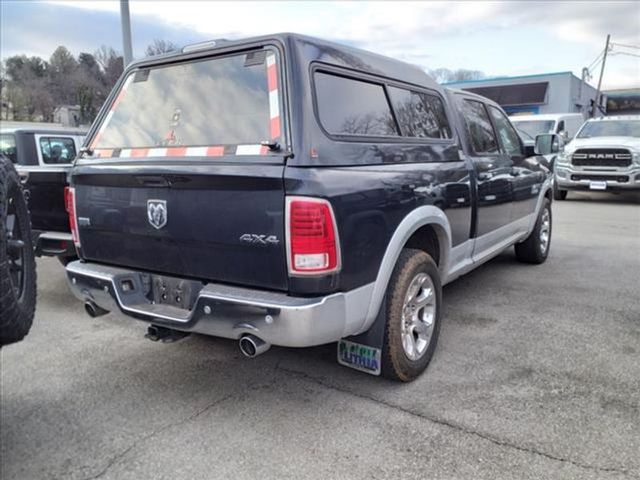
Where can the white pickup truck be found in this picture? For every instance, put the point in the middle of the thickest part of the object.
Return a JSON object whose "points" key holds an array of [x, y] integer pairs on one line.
{"points": [[604, 155]]}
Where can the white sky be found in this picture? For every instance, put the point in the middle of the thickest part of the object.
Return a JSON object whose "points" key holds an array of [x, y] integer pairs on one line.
{"points": [[498, 38]]}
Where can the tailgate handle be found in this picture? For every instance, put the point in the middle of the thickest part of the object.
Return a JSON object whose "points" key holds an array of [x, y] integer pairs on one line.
{"points": [[157, 181]]}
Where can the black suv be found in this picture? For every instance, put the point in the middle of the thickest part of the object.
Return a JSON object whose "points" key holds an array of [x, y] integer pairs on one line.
{"points": [[290, 191]]}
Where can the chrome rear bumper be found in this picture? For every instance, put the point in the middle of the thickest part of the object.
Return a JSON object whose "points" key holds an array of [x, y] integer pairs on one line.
{"points": [[225, 311]]}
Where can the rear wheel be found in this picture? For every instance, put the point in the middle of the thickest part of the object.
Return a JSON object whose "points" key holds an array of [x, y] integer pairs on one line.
{"points": [[17, 260], [414, 298], [535, 248]]}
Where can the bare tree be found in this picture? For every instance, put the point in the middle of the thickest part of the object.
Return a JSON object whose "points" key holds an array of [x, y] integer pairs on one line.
{"points": [[158, 47], [444, 75]]}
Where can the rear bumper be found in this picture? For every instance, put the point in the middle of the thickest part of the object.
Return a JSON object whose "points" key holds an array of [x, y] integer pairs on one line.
{"points": [[54, 244], [225, 311], [569, 178]]}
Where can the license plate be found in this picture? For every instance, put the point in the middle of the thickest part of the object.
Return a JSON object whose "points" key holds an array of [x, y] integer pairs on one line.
{"points": [[597, 185], [360, 357]]}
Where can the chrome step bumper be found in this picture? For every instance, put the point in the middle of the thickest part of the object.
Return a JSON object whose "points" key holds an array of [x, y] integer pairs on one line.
{"points": [[225, 311]]}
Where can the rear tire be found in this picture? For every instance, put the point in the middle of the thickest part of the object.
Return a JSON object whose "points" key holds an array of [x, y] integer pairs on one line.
{"points": [[17, 259], [414, 299], [535, 248]]}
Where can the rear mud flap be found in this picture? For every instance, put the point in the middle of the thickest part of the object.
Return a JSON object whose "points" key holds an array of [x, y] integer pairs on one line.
{"points": [[364, 352]]}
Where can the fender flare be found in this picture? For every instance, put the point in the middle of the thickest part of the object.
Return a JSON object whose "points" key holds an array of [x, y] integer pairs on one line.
{"points": [[420, 217], [545, 188]]}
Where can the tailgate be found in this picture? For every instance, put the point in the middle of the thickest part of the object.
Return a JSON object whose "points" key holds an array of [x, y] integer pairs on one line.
{"points": [[221, 222]]}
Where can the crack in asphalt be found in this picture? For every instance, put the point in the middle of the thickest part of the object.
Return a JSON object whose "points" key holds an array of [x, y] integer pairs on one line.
{"points": [[458, 427], [114, 460]]}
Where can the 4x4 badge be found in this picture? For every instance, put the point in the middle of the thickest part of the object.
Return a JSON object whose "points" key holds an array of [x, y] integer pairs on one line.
{"points": [[157, 213]]}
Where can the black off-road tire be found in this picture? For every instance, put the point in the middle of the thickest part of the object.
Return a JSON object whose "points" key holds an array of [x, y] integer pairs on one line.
{"points": [[396, 365], [16, 311], [531, 250]]}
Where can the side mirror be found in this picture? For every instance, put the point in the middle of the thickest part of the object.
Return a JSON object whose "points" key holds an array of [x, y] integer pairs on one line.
{"points": [[548, 143], [564, 135]]}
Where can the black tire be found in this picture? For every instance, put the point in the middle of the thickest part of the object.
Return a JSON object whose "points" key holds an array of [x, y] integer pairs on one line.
{"points": [[559, 194], [532, 249], [17, 290], [396, 363]]}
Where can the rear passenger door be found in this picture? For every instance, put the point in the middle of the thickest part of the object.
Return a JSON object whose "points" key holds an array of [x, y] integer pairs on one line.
{"points": [[492, 170], [525, 182]]}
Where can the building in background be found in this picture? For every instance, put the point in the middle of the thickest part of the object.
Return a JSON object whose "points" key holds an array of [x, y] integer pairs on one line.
{"points": [[67, 115], [560, 92], [623, 102]]}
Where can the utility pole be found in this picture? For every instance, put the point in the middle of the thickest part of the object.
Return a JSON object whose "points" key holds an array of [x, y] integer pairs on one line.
{"points": [[604, 60], [126, 31]]}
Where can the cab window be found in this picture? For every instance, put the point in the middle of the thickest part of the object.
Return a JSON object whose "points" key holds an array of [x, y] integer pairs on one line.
{"points": [[57, 150], [419, 114], [8, 146], [508, 136], [481, 134], [561, 127]]}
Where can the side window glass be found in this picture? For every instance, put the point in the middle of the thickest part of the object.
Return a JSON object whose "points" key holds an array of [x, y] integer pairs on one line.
{"points": [[419, 114], [353, 107], [481, 134], [56, 150], [8, 146], [560, 126], [508, 136]]}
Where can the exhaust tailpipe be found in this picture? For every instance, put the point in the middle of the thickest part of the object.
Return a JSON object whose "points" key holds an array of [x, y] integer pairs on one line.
{"points": [[94, 310], [251, 346]]}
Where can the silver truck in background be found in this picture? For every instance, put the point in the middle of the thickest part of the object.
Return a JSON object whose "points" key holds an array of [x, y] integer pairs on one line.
{"points": [[604, 155]]}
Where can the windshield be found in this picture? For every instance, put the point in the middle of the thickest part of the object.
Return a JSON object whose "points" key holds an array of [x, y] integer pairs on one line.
{"points": [[534, 127], [212, 102], [8, 146], [524, 135], [610, 128]]}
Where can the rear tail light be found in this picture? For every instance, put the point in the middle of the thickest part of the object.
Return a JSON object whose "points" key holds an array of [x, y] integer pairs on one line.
{"points": [[70, 204], [312, 237]]}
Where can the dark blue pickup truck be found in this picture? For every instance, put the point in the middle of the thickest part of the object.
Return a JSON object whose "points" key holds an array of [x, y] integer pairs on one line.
{"points": [[285, 190]]}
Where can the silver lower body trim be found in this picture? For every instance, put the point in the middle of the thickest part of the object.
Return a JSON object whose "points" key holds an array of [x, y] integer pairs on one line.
{"points": [[225, 311]]}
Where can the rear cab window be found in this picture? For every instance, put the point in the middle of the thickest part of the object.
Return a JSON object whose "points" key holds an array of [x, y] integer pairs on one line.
{"points": [[225, 105], [481, 135], [420, 114], [57, 150], [8, 146]]}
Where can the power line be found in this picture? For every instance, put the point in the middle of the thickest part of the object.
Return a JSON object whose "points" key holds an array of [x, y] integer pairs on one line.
{"points": [[596, 60], [626, 53], [637, 47]]}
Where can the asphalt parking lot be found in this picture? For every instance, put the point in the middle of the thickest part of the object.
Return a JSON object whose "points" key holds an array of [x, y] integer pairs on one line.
{"points": [[537, 375]]}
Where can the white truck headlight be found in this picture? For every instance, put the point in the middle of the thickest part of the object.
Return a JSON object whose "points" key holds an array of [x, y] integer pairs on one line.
{"points": [[563, 158]]}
